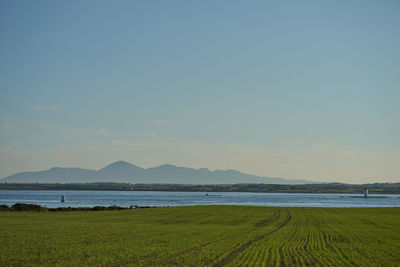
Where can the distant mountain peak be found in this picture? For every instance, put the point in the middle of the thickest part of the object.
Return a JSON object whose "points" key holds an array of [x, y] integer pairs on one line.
{"points": [[167, 166], [119, 164]]}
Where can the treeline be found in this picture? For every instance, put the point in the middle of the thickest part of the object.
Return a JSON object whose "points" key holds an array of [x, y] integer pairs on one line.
{"points": [[376, 188], [34, 207]]}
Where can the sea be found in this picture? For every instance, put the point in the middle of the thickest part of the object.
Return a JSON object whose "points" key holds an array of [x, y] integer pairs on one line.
{"points": [[52, 199]]}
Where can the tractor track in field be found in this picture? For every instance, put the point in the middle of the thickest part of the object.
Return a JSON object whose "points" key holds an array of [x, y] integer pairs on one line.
{"points": [[233, 254], [263, 223]]}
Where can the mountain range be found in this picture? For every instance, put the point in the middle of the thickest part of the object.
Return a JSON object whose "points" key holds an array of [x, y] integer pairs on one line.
{"points": [[124, 172]]}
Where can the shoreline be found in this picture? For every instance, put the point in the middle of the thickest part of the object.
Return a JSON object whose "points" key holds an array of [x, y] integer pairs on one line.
{"points": [[331, 188]]}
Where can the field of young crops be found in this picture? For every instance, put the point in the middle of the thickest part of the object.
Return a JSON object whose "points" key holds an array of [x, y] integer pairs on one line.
{"points": [[203, 236]]}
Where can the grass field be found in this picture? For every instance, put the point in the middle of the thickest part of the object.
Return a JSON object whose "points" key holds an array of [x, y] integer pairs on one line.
{"points": [[203, 236]]}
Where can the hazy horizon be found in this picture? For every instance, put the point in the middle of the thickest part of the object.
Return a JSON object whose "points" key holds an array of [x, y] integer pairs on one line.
{"points": [[297, 90], [167, 164]]}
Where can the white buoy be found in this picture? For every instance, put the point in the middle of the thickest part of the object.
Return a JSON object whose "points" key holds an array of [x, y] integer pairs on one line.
{"points": [[365, 192], [63, 198]]}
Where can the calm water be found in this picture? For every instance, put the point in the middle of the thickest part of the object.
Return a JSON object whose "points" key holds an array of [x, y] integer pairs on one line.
{"points": [[154, 198]]}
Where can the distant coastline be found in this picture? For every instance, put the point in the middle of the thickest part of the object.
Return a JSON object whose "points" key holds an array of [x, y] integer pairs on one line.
{"points": [[377, 188]]}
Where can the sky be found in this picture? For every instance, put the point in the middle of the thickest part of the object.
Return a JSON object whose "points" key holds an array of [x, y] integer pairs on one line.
{"points": [[291, 89]]}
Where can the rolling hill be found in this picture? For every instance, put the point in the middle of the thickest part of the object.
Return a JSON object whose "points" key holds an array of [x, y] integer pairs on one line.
{"points": [[124, 172]]}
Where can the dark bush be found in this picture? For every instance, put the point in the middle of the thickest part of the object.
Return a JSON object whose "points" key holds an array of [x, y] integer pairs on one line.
{"points": [[27, 207], [99, 208], [114, 207], [4, 208], [33, 207]]}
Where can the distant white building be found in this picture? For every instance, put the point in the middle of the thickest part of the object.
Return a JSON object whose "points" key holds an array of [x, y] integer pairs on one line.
{"points": [[365, 192]]}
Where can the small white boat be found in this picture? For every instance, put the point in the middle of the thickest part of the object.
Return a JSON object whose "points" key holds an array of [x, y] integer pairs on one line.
{"points": [[63, 198]]}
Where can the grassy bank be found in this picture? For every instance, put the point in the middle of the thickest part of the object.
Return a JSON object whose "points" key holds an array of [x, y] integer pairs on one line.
{"points": [[203, 235]]}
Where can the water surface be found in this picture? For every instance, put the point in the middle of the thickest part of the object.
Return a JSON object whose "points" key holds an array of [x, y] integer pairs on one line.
{"points": [[52, 199]]}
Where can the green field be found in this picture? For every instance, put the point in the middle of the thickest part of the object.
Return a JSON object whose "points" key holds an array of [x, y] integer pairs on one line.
{"points": [[203, 236]]}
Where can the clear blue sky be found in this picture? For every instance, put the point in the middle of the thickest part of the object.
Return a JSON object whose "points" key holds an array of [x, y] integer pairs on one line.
{"points": [[294, 89]]}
